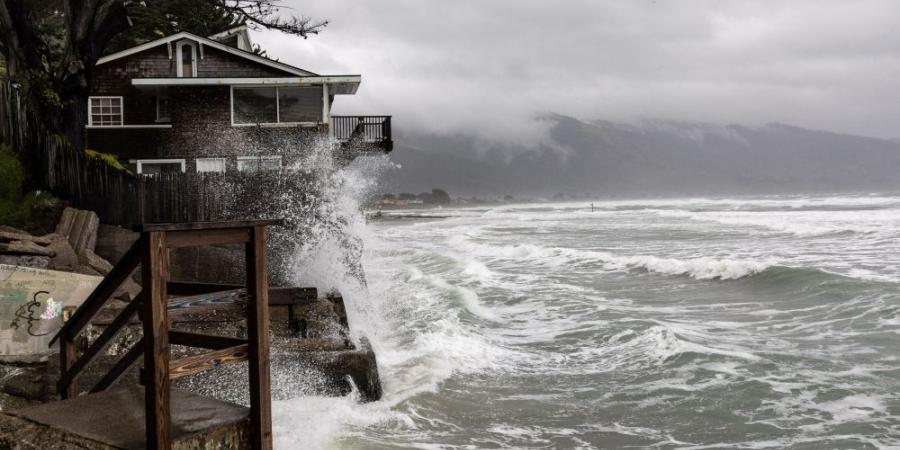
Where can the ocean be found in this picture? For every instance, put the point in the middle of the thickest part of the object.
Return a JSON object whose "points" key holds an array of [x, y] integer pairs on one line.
{"points": [[745, 322]]}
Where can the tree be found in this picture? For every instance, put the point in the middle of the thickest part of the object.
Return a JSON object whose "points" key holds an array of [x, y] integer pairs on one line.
{"points": [[153, 20], [51, 46], [440, 197]]}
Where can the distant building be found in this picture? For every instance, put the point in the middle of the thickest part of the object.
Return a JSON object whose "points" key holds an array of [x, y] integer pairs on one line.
{"points": [[210, 104]]}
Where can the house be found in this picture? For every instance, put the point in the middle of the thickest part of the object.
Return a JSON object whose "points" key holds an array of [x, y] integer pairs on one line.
{"points": [[186, 103]]}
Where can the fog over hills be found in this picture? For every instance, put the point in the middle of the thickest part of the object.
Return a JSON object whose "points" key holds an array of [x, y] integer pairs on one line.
{"points": [[651, 158]]}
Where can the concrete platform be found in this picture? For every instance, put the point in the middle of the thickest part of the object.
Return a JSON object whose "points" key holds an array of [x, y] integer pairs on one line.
{"points": [[114, 419]]}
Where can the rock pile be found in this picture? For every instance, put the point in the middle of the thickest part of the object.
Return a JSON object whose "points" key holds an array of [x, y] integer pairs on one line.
{"points": [[70, 248]]}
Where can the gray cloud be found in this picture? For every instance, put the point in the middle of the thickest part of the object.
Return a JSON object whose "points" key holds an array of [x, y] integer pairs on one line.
{"points": [[490, 66]]}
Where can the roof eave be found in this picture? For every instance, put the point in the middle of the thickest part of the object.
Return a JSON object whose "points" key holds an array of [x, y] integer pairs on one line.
{"points": [[338, 84], [205, 41]]}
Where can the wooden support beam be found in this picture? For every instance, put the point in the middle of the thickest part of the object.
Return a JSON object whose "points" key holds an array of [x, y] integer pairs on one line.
{"points": [[198, 238], [187, 288], [278, 296], [121, 366], [203, 340], [193, 364], [66, 359], [103, 292], [155, 271], [292, 296], [258, 336], [245, 224], [68, 375]]}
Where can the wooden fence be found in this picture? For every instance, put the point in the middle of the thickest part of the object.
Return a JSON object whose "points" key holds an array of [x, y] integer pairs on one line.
{"points": [[118, 196]]}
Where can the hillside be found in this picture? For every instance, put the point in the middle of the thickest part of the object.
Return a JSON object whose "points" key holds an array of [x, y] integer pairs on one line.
{"points": [[651, 158]]}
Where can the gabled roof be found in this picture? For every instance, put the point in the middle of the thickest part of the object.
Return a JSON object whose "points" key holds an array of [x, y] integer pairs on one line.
{"points": [[242, 35], [211, 43]]}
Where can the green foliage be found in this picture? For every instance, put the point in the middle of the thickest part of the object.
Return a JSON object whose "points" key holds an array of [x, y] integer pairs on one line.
{"points": [[105, 157], [160, 18], [11, 174], [15, 207]]}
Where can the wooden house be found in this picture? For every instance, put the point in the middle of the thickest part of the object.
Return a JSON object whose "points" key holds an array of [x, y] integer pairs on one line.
{"points": [[186, 103]]}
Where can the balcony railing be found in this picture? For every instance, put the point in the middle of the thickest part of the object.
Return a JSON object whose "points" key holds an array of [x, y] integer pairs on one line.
{"points": [[365, 130]]}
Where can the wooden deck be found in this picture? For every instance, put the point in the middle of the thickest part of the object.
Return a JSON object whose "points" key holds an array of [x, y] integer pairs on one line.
{"points": [[115, 419]]}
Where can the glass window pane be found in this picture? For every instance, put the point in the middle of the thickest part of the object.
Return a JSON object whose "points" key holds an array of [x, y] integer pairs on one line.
{"points": [[211, 165], [187, 60], [270, 164], [255, 105], [300, 104], [151, 168], [162, 108], [256, 164]]}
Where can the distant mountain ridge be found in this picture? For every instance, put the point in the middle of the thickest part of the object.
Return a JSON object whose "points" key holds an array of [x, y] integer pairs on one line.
{"points": [[649, 158]]}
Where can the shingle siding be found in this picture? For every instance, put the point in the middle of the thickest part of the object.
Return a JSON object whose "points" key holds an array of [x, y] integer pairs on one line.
{"points": [[200, 115], [218, 64]]}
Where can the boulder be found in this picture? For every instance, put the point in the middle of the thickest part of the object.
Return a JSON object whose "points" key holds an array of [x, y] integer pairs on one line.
{"points": [[28, 382], [89, 258], [37, 262], [86, 270], [9, 229], [25, 248], [8, 236], [64, 257]]}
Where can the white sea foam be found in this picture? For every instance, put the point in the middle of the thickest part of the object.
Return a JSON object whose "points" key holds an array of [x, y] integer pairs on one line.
{"points": [[525, 307], [701, 268]]}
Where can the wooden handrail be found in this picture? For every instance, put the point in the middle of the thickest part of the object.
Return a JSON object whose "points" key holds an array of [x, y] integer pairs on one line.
{"points": [[101, 343], [151, 252], [194, 364], [103, 292]]}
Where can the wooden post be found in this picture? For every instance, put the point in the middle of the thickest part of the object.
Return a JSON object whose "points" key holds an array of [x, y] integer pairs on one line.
{"points": [[66, 359], [154, 275], [258, 337]]}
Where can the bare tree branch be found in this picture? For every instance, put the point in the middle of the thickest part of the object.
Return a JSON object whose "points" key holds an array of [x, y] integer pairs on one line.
{"points": [[264, 14]]}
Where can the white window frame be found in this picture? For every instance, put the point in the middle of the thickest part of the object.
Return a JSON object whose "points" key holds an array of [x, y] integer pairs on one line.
{"points": [[99, 97], [278, 122], [258, 158], [179, 67], [141, 162], [224, 165]]}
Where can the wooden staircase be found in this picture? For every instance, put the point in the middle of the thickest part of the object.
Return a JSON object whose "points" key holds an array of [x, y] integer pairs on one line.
{"points": [[151, 253]]}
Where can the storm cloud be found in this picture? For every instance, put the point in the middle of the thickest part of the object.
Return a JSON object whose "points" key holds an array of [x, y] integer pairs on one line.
{"points": [[490, 67]]}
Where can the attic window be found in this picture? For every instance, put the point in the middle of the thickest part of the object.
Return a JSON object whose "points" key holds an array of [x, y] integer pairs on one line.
{"points": [[187, 59], [105, 111]]}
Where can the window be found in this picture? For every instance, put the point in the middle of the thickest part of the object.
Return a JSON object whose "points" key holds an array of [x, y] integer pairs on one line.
{"points": [[272, 105], [211, 165], [187, 59], [162, 107], [258, 163], [157, 166], [299, 104], [254, 105], [105, 111]]}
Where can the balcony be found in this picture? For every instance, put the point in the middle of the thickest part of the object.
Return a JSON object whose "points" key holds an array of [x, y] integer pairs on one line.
{"points": [[363, 133]]}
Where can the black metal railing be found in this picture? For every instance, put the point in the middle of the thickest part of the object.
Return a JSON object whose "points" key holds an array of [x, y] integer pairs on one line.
{"points": [[371, 129]]}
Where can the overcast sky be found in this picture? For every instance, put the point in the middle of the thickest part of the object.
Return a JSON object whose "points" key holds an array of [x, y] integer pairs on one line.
{"points": [[491, 65]]}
